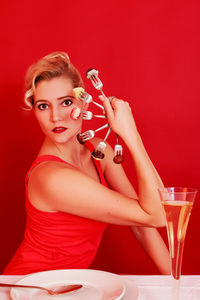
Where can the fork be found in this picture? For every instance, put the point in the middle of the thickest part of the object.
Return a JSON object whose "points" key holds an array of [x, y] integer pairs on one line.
{"points": [[89, 134], [118, 147], [92, 74], [118, 158], [87, 98], [98, 153], [88, 115]]}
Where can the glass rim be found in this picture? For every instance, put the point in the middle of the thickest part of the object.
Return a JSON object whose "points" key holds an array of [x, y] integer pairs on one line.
{"points": [[178, 190]]}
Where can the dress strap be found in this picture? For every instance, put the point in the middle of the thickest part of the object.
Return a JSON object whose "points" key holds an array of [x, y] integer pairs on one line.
{"points": [[91, 147], [47, 157]]}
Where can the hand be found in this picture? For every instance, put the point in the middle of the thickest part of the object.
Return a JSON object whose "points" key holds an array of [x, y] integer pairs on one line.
{"points": [[119, 116]]}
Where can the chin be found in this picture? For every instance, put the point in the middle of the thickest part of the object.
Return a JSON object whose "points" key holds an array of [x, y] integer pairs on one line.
{"points": [[63, 139]]}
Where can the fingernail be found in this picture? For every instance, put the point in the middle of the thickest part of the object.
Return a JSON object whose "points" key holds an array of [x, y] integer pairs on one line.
{"points": [[101, 97]]}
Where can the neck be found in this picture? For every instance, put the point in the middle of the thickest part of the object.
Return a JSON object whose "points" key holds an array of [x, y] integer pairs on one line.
{"points": [[72, 152]]}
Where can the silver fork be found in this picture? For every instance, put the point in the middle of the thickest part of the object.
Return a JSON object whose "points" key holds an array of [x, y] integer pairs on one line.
{"points": [[88, 115], [89, 134], [102, 145], [87, 98], [118, 147], [92, 74]]}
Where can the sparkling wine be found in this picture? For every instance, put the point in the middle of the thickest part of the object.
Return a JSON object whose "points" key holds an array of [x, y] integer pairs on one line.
{"points": [[177, 215]]}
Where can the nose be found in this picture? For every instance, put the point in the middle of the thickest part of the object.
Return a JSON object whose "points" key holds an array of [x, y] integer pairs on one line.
{"points": [[56, 114]]}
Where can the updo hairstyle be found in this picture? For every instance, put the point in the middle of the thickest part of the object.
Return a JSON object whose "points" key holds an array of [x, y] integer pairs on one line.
{"points": [[53, 65]]}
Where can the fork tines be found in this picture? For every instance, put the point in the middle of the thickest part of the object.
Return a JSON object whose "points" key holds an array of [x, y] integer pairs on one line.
{"points": [[87, 98], [118, 150], [92, 74], [87, 135], [86, 115]]}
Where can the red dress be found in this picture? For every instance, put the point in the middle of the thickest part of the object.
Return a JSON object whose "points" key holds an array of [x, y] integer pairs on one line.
{"points": [[56, 240]]}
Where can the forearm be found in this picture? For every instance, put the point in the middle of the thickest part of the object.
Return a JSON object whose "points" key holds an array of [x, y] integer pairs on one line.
{"points": [[147, 176], [154, 246], [122, 122]]}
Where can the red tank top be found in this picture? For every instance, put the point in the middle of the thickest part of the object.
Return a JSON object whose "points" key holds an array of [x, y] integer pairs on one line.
{"points": [[56, 240]]}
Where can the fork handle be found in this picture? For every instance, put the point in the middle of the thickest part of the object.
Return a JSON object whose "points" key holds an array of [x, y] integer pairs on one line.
{"points": [[102, 92], [117, 139], [102, 127], [107, 134], [100, 116], [97, 104]]}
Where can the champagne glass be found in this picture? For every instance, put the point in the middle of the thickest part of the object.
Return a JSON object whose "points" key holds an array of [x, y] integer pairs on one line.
{"points": [[177, 203]]}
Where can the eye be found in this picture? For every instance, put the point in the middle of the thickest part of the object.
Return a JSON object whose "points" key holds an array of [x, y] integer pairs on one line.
{"points": [[67, 102], [42, 106]]}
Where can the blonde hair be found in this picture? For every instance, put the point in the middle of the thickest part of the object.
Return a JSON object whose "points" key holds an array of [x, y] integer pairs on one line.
{"points": [[53, 65]]}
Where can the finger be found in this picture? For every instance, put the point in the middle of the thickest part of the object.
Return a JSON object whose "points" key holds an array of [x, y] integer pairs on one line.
{"points": [[107, 106], [111, 98]]}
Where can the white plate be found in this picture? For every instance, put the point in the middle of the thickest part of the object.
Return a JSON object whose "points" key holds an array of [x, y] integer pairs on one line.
{"points": [[97, 285], [132, 292]]}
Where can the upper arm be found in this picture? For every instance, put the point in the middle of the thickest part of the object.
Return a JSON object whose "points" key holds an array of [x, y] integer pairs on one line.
{"points": [[69, 190]]}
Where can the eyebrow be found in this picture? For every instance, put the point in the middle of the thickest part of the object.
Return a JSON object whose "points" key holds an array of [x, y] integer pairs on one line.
{"points": [[59, 98], [63, 97]]}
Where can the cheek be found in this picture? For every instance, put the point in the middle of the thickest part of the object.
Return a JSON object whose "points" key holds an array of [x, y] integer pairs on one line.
{"points": [[37, 117], [41, 120]]}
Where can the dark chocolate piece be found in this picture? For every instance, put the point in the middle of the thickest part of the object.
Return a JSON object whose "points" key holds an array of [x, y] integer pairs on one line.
{"points": [[98, 154], [79, 138], [89, 70], [118, 159]]}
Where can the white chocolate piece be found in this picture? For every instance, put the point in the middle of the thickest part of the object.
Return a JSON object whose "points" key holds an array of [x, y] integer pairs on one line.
{"points": [[77, 92], [75, 113]]}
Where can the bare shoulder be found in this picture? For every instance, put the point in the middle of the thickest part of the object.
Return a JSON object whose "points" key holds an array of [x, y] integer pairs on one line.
{"points": [[49, 171], [45, 179]]}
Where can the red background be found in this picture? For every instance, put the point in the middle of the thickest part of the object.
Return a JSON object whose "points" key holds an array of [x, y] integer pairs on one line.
{"points": [[147, 52]]}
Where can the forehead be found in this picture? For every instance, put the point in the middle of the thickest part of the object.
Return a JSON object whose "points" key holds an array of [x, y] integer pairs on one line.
{"points": [[53, 88]]}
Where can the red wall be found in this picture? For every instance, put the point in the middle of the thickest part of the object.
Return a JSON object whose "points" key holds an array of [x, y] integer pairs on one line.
{"points": [[147, 52]]}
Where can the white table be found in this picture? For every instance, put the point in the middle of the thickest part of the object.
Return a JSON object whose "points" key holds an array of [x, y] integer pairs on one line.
{"points": [[150, 287]]}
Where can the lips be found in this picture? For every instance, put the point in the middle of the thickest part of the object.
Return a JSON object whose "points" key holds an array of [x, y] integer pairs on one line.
{"points": [[59, 129]]}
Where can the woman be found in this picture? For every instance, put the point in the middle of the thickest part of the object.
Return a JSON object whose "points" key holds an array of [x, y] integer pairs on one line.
{"points": [[68, 201]]}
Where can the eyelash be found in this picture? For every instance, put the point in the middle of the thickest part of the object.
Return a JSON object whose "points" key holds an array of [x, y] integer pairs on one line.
{"points": [[66, 102], [42, 106]]}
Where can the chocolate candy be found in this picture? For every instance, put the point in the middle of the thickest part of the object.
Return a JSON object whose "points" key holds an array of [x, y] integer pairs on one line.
{"points": [[118, 159], [98, 154], [79, 138]]}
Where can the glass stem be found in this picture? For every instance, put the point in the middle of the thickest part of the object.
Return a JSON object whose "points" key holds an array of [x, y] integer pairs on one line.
{"points": [[175, 288]]}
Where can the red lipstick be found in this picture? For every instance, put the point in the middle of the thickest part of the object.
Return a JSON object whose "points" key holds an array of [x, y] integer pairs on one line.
{"points": [[59, 129]]}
